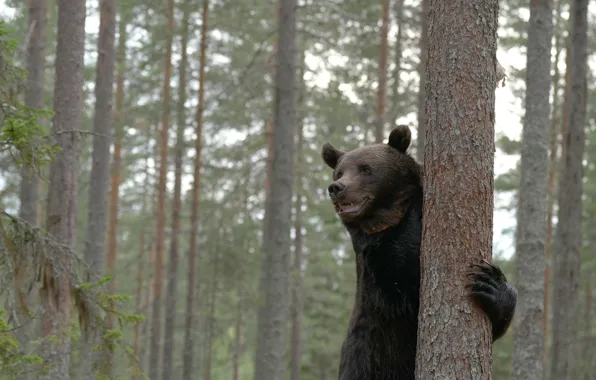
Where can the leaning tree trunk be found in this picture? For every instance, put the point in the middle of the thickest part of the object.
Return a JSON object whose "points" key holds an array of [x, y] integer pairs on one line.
{"points": [[568, 232], [454, 336], [62, 193], [528, 357]]}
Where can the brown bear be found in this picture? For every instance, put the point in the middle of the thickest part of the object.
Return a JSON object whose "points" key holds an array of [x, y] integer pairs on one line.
{"points": [[377, 194]]}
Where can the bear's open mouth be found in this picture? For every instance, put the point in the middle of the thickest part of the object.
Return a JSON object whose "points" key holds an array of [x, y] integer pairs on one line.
{"points": [[345, 208]]}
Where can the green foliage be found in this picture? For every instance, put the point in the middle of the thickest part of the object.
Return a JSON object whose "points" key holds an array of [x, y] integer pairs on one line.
{"points": [[13, 361]]}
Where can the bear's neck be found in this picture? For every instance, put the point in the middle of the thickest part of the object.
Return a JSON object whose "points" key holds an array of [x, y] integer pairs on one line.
{"points": [[388, 264]]}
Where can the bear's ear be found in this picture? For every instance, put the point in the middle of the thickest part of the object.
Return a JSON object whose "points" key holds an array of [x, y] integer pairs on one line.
{"points": [[331, 155], [400, 138]]}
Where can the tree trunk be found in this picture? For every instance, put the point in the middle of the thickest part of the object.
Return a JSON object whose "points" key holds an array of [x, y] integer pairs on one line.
{"points": [[30, 184], [568, 232], [171, 298], [95, 247], [528, 356], [160, 225], [382, 79], [454, 336], [62, 193], [399, 19], [270, 352], [587, 348], [210, 318], [193, 254], [422, 77]]}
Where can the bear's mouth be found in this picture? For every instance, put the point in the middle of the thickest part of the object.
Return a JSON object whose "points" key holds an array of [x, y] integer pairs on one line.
{"points": [[350, 208]]}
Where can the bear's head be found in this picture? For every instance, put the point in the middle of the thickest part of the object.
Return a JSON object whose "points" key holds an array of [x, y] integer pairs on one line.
{"points": [[373, 185]]}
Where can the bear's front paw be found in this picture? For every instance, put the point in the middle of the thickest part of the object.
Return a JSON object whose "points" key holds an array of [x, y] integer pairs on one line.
{"points": [[497, 298]]}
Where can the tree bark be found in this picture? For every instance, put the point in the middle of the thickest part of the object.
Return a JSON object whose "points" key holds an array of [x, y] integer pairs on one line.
{"points": [[270, 352], [160, 226], [422, 74], [193, 254], [171, 298], [454, 336], [528, 356], [568, 232], [62, 193], [382, 79]]}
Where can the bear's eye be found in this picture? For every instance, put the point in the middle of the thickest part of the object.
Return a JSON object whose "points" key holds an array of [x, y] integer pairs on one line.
{"points": [[365, 169], [339, 174]]}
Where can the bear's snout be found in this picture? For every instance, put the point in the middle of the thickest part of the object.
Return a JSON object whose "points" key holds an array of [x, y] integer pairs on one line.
{"points": [[335, 189]]}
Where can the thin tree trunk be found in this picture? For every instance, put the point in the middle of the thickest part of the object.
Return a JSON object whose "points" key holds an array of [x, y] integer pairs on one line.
{"points": [[552, 171], [210, 320], [382, 79], [528, 356], [30, 184], [399, 19], [160, 228], [422, 73], [270, 352], [171, 297], [193, 254], [238, 333], [568, 232], [587, 349], [454, 336], [95, 247], [62, 194]]}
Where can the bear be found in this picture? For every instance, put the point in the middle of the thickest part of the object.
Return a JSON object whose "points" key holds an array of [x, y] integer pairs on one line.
{"points": [[377, 194]]}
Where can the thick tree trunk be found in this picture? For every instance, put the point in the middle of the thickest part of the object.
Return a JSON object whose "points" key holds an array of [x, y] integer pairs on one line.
{"points": [[160, 225], [172, 294], [422, 85], [270, 352], [568, 232], [454, 336], [62, 194], [193, 253], [528, 356], [95, 247], [382, 78]]}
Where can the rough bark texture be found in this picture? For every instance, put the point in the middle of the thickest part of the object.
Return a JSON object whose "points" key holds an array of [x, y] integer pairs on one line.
{"points": [[34, 91], [193, 253], [95, 247], [568, 232], [422, 75], [454, 337], [382, 78], [270, 352], [160, 225], [62, 192], [528, 356], [171, 297]]}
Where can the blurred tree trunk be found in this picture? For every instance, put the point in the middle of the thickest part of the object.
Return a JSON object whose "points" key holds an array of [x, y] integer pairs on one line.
{"points": [[160, 227], [422, 73], [382, 78], [454, 336], [568, 232], [399, 20], [555, 121], [95, 245], [171, 298], [528, 356], [210, 322], [30, 184], [62, 193], [588, 350], [270, 352], [193, 253]]}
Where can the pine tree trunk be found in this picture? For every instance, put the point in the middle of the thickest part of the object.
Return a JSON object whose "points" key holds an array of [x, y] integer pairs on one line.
{"points": [[271, 348], [422, 73], [528, 356], [62, 194], [210, 320], [454, 335], [30, 184], [193, 253], [399, 19], [171, 298], [160, 225], [95, 247], [568, 232], [382, 78]]}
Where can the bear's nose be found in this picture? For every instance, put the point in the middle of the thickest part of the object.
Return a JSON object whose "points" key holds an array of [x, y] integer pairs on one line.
{"points": [[335, 189]]}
